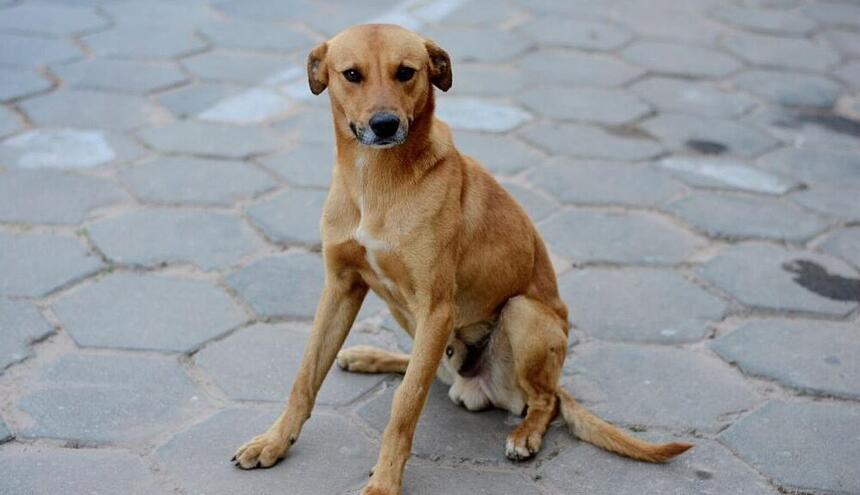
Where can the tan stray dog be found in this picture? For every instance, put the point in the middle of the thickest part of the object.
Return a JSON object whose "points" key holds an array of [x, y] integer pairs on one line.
{"points": [[459, 263]]}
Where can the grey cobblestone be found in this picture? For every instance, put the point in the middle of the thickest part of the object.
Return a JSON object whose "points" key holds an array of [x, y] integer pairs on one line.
{"points": [[684, 131], [175, 180], [151, 312], [585, 141], [801, 445], [144, 42], [50, 20], [657, 386], [306, 166], [262, 285], [792, 53], [793, 89], [20, 83], [738, 216], [209, 139], [585, 105], [95, 399], [291, 217], [634, 305], [569, 67], [148, 238], [679, 96], [812, 356], [120, 75], [199, 457], [21, 51], [84, 470], [85, 108], [845, 244], [689, 61], [766, 276], [37, 264], [49, 197], [583, 34], [20, 325]]}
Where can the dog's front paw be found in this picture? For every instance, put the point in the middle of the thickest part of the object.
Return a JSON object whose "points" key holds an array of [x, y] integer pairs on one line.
{"points": [[261, 451]]}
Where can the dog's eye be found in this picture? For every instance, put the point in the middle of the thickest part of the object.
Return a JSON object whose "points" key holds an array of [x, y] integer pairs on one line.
{"points": [[404, 74], [352, 75]]}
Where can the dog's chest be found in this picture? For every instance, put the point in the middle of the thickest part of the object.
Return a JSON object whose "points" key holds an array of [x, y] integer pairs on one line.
{"points": [[374, 248]]}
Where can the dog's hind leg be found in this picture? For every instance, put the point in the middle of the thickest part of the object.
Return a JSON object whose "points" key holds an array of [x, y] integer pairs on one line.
{"points": [[538, 345], [369, 359]]}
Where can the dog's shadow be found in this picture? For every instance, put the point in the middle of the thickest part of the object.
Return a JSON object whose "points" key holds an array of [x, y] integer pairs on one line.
{"points": [[815, 278]]}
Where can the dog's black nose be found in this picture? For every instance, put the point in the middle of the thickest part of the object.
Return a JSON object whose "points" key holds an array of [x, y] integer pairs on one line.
{"points": [[384, 124]]}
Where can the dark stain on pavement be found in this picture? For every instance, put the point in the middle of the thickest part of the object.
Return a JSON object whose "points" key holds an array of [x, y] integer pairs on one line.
{"points": [[706, 147], [815, 278]]}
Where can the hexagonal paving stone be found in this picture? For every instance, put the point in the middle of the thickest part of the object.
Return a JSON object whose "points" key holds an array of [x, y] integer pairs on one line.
{"points": [[708, 468], [739, 216], [837, 13], [20, 324], [681, 60], [476, 114], [817, 167], [236, 67], [175, 180], [577, 33], [79, 108], [120, 75], [309, 165], [631, 237], [590, 142], [199, 458], [850, 73], [145, 311], [21, 51], [680, 131], [20, 83], [772, 51], [253, 106], [208, 240], [143, 42], [168, 14], [487, 80], [252, 35], [773, 277], [5, 434], [844, 243], [448, 430], [764, 20], [93, 398], [486, 12], [288, 285], [792, 89], [53, 197], [192, 99], [82, 470], [314, 126], [569, 67], [9, 122], [65, 148], [38, 264], [495, 46], [50, 20], [581, 182], [538, 206], [276, 351], [602, 106], [847, 42], [499, 154], [657, 386], [813, 356], [420, 479], [291, 217], [210, 139], [808, 128], [679, 22], [697, 98], [834, 202], [801, 445], [716, 173], [641, 305]]}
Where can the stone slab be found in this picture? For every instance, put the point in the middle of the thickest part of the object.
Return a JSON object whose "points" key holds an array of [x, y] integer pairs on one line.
{"points": [[288, 285], [35, 265]]}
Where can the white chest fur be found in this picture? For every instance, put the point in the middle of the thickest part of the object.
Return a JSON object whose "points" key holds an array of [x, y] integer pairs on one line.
{"points": [[373, 246]]}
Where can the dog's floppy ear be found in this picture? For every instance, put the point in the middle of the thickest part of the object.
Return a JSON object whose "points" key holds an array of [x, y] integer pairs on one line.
{"points": [[440, 66], [317, 72]]}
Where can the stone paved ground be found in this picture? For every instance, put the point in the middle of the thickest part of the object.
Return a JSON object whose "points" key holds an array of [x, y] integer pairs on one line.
{"points": [[694, 166]]}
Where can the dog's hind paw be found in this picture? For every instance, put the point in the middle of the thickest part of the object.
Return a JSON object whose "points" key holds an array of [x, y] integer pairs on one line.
{"points": [[522, 447]]}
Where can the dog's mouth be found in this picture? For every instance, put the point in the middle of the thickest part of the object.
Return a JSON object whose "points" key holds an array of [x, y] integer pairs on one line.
{"points": [[365, 136]]}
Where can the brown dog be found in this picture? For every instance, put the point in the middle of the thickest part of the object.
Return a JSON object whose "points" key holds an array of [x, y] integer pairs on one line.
{"points": [[459, 263]]}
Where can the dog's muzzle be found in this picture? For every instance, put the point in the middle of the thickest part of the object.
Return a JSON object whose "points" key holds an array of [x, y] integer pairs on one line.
{"points": [[383, 130]]}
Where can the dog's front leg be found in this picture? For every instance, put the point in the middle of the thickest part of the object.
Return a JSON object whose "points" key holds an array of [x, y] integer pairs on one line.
{"points": [[340, 301], [431, 337]]}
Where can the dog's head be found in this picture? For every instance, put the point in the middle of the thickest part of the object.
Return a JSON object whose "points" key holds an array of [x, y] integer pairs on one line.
{"points": [[379, 78]]}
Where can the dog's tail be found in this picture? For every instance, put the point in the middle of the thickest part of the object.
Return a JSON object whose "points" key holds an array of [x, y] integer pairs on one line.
{"points": [[588, 427]]}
